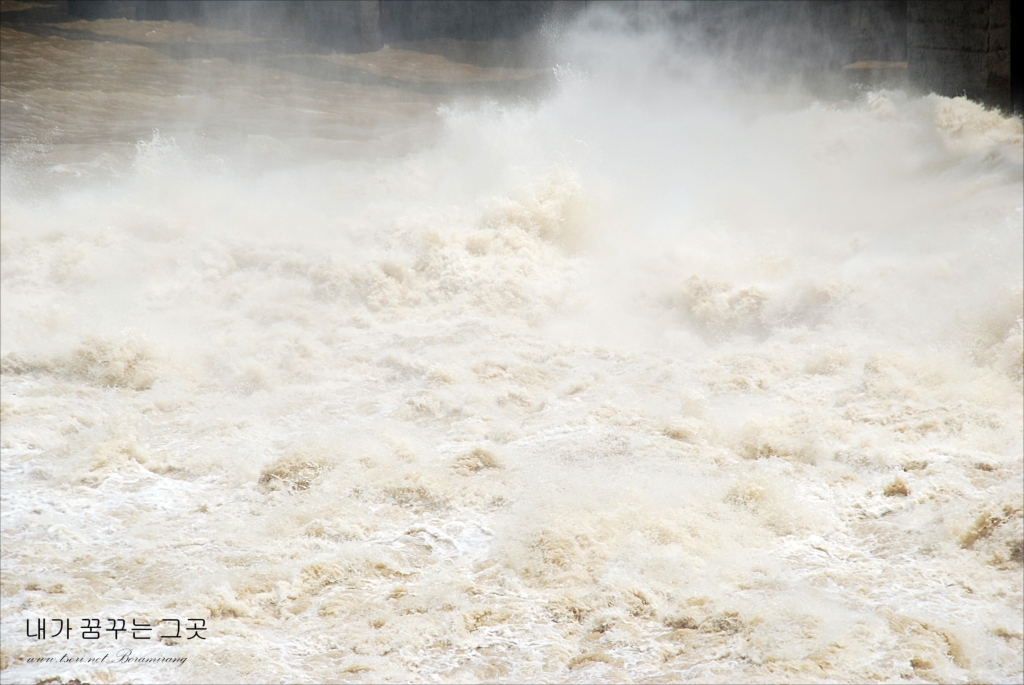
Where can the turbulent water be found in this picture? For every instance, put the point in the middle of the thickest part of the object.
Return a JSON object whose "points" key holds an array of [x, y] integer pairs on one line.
{"points": [[639, 376]]}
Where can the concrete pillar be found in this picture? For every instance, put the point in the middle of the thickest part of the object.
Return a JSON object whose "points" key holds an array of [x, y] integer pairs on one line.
{"points": [[1016, 68], [369, 26], [961, 47], [997, 56]]}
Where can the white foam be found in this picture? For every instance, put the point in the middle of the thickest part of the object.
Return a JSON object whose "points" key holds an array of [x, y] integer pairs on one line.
{"points": [[652, 378]]}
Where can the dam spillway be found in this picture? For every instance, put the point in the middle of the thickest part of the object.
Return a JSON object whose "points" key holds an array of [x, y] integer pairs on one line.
{"points": [[605, 351]]}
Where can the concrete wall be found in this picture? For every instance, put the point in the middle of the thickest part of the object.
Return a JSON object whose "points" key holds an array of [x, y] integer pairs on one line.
{"points": [[961, 47], [345, 26], [410, 20], [807, 35], [952, 47], [1016, 60], [349, 25]]}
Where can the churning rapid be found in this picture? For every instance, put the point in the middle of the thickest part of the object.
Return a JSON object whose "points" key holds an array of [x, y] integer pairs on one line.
{"points": [[635, 374]]}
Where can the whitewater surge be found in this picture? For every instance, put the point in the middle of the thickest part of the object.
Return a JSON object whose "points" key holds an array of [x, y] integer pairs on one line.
{"points": [[652, 378]]}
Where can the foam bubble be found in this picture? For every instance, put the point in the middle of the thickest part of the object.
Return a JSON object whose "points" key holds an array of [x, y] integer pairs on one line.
{"points": [[657, 376]]}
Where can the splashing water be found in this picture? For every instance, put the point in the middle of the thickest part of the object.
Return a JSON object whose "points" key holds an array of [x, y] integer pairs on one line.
{"points": [[656, 377]]}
